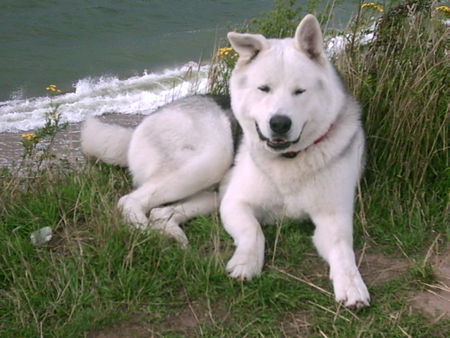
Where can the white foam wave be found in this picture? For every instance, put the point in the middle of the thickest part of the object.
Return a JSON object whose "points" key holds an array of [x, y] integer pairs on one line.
{"points": [[135, 95], [336, 44]]}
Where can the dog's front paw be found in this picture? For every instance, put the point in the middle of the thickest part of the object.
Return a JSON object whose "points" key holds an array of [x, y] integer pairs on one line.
{"points": [[161, 219], [132, 211], [351, 290], [244, 265], [171, 229]]}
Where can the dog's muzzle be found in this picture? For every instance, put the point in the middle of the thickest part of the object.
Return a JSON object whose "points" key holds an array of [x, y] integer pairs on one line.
{"points": [[278, 142]]}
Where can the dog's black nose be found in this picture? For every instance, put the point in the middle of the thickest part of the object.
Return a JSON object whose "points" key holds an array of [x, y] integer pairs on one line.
{"points": [[280, 124]]}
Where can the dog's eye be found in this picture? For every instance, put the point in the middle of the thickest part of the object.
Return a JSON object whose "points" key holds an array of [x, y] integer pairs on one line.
{"points": [[264, 88], [299, 91]]}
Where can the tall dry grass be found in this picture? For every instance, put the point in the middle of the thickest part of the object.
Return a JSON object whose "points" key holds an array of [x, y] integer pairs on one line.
{"points": [[401, 81]]}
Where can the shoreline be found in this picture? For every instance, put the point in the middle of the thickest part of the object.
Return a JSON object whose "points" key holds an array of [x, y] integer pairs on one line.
{"points": [[66, 144]]}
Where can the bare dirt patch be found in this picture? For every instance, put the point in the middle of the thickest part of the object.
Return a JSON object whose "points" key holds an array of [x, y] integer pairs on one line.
{"points": [[187, 322], [377, 268], [134, 327], [296, 325], [434, 301]]}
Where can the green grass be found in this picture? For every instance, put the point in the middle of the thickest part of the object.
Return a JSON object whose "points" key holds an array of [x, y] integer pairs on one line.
{"points": [[97, 276], [96, 272]]}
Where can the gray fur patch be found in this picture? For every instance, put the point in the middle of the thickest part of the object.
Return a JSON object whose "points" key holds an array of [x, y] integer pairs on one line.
{"points": [[348, 146], [236, 130], [242, 81], [224, 102]]}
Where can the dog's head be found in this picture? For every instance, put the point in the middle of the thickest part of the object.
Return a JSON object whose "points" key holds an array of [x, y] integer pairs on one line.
{"points": [[284, 92]]}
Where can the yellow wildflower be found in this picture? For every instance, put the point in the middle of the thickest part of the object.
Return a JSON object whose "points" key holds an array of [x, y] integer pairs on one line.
{"points": [[444, 9], [52, 88], [29, 137], [373, 5], [226, 51]]}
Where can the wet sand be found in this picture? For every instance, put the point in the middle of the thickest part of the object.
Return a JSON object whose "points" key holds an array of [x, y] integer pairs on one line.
{"points": [[66, 145]]}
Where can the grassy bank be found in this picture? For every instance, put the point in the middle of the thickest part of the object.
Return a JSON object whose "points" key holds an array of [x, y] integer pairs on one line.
{"points": [[98, 278]]}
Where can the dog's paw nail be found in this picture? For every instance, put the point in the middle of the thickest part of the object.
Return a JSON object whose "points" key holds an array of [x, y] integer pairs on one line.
{"points": [[241, 271], [358, 305]]}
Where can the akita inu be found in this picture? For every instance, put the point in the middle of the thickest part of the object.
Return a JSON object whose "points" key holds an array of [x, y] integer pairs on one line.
{"points": [[299, 154]]}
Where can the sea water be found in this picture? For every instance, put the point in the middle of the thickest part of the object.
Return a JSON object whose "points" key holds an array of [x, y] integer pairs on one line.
{"points": [[126, 57]]}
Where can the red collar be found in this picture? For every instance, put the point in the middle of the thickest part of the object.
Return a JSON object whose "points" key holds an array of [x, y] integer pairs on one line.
{"points": [[292, 154]]}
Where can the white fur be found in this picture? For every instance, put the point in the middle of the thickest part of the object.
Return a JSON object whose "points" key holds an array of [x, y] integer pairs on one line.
{"points": [[106, 142], [179, 153], [174, 155]]}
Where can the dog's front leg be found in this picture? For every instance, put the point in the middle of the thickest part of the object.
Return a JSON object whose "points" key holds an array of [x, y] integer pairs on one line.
{"points": [[240, 222], [333, 239]]}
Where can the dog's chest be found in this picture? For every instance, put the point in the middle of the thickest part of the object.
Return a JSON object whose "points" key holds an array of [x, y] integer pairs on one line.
{"points": [[288, 175], [296, 187]]}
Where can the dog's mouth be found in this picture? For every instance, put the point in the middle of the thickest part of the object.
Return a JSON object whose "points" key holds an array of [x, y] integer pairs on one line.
{"points": [[277, 143]]}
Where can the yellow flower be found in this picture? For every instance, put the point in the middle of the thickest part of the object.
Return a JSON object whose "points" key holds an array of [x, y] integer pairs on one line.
{"points": [[223, 52], [373, 5], [52, 88], [29, 137], [444, 9]]}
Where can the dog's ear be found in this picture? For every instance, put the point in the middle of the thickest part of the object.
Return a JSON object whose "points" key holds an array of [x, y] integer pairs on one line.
{"points": [[308, 38], [247, 45]]}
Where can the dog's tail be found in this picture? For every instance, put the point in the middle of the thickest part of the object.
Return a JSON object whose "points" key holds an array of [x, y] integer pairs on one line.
{"points": [[106, 142]]}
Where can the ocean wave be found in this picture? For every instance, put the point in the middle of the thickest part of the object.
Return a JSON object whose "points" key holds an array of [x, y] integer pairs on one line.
{"points": [[135, 95]]}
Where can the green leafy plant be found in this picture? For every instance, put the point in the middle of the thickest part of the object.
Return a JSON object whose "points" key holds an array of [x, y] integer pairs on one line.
{"points": [[37, 145]]}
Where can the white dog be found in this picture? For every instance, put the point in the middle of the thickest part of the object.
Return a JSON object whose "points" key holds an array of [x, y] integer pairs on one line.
{"points": [[300, 154]]}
